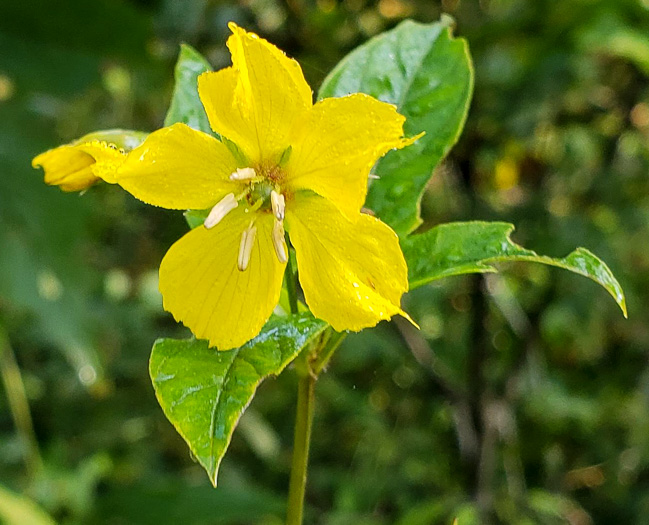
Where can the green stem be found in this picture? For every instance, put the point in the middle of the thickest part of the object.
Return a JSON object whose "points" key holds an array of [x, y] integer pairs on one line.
{"points": [[291, 280], [308, 366], [304, 413], [324, 355], [302, 439], [18, 404]]}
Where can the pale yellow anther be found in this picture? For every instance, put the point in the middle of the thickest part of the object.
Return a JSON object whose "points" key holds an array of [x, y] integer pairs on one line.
{"points": [[245, 248], [220, 210], [279, 243], [278, 203], [243, 174]]}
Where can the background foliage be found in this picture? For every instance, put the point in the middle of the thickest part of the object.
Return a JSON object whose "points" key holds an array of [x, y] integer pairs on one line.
{"points": [[525, 397]]}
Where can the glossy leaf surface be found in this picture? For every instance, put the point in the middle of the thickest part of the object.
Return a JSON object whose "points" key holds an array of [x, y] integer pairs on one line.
{"points": [[203, 391], [474, 247], [185, 105], [428, 75]]}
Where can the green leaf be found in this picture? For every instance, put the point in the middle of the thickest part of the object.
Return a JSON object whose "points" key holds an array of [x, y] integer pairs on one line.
{"points": [[428, 75], [611, 35], [19, 510], [185, 104], [473, 247], [203, 391]]}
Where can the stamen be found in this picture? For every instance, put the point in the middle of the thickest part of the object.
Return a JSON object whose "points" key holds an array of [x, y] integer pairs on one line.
{"points": [[245, 248], [279, 243], [243, 174], [278, 204], [220, 210]]}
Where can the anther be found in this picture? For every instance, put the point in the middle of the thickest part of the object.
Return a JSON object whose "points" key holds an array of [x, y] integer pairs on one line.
{"points": [[243, 174], [278, 203], [279, 243], [245, 248], [220, 210]]}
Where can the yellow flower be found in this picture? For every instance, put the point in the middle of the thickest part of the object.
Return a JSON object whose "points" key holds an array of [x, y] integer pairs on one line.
{"points": [[283, 163], [93, 157]]}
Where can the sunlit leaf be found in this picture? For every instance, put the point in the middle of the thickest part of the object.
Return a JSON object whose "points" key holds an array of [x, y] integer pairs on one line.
{"points": [[203, 391], [609, 34], [186, 106], [474, 247], [19, 510], [428, 75]]}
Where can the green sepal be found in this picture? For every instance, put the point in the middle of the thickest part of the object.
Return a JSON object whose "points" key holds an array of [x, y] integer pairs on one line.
{"points": [[239, 155], [196, 218], [126, 139], [286, 154]]}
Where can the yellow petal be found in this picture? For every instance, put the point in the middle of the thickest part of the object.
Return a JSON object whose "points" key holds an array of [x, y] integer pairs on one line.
{"points": [[255, 102], [75, 167], [216, 90], [352, 272], [108, 159], [179, 168], [336, 145], [94, 156], [67, 167], [202, 287]]}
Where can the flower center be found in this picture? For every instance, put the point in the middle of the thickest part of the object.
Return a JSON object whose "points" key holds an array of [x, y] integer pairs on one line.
{"points": [[262, 193]]}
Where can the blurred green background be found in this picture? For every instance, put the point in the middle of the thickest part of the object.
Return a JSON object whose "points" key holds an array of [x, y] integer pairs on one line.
{"points": [[524, 398]]}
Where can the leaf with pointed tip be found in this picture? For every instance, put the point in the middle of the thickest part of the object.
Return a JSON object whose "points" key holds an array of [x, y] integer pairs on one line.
{"points": [[428, 75], [204, 391], [473, 247], [186, 106]]}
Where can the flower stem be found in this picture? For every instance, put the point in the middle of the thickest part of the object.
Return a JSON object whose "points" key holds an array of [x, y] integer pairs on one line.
{"points": [[325, 354], [308, 366], [291, 280], [302, 439], [18, 404], [304, 412]]}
